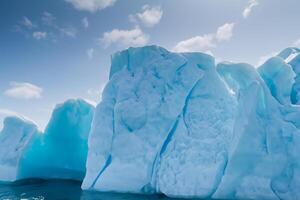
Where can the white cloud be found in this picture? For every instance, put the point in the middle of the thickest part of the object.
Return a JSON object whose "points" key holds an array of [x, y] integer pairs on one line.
{"points": [[91, 5], [205, 42], [85, 22], [27, 23], [39, 35], [224, 32], [48, 19], [68, 31], [90, 53], [23, 90], [134, 37], [149, 16], [198, 43], [297, 43], [251, 4]]}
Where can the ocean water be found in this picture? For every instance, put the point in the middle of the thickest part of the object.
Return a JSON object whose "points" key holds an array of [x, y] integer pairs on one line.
{"points": [[62, 190]]}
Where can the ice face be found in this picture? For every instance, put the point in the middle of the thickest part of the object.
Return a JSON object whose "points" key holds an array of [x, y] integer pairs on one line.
{"points": [[177, 124], [279, 77], [153, 101], [193, 160], [291, 56], [61, 151], [172, 123], [14, 138], [141, 104], [262, 159]]}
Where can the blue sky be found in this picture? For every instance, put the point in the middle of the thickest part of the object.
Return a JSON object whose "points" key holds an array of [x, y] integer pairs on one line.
{"points": [[54, 50]]}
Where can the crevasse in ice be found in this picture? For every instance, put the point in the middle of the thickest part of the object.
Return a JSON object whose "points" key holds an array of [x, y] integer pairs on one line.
{"points": [[175, 123], [59, 152]]}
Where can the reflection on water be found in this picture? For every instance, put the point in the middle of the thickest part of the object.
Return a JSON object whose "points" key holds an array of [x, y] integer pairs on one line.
{"points": [[62, 190]]}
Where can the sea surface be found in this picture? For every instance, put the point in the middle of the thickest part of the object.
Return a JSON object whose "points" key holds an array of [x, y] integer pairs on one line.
{"points": [[62, 190]]}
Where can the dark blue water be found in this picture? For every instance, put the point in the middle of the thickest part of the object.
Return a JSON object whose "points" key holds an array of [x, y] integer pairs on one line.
{"points": [[62, 190]]}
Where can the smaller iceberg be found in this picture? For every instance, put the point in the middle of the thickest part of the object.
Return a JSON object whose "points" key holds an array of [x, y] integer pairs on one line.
{"points": [[62, 150], [14, 139], [59, 152]]}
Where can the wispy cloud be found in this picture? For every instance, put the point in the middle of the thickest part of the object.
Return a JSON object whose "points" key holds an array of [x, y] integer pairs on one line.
{"points": [[27, 23], [38, 35], [91, 5], [149, 16], [206, 42], [225, 32], [197, 43], [85, 22], [251, 4], [49, 24], [23, 90], [124, 38], [48, 19], [90, 53], [68, 31]]}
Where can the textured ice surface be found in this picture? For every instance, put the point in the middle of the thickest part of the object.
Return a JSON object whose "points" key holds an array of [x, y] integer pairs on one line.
{"points": [[14, 137], [179, 125], [279, 77], [173, 123], [261, 151], [140, 108], [59, 152], [292, 57], [192, 161]]}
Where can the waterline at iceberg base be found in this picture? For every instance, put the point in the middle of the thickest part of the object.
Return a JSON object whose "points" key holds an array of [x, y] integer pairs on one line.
{"points": [[175, 124]]}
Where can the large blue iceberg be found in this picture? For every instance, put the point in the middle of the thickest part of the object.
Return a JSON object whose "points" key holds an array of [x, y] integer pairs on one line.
{"points": [[176, 124]]}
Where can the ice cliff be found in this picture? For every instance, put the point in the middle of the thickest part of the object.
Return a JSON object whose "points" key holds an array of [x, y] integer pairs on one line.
{"points": [[173, 123], [14, 138], [59, 152], [177, 124]]}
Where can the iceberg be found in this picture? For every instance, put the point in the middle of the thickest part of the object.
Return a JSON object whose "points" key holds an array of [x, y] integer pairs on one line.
{"points": [[59, 152], [14, 139], [177, 124]]}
